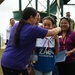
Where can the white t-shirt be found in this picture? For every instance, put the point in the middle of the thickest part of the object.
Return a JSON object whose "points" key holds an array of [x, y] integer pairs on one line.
{"points": [[8, 32]]}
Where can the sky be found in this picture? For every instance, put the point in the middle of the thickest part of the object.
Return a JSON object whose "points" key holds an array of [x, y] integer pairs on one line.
{"points": [[8, 6]]}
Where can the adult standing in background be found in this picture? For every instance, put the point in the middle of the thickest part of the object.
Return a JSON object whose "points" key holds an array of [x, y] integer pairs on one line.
{"points": [[22, 42], [12, 22], [67, 42], [72, 23]]}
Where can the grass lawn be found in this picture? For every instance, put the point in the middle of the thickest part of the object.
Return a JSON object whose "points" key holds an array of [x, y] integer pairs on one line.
{"points": [[1, 51]]}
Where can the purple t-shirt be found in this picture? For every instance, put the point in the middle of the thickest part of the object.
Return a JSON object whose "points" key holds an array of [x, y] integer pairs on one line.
{"points": [[69, 45], [17, 57]]}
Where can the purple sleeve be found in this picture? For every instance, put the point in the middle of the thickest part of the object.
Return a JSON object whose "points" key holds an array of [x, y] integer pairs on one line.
{"points": [[39, 32]]}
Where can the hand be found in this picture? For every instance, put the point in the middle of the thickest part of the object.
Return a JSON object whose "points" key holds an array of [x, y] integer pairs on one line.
{"points": [[59, 28], [69, 53], [55, 37]]}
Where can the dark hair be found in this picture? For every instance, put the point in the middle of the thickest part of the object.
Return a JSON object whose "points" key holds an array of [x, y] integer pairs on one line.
{"points": [[49, 18], [27, 12], [69, 29], [11, 19]]}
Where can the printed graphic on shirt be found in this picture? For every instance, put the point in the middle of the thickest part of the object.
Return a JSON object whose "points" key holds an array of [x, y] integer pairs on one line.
{"points": [[45, 52], [47, 44]]}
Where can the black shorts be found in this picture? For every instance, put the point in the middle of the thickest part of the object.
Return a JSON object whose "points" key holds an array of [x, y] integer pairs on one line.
{"points": [[9, 71]]}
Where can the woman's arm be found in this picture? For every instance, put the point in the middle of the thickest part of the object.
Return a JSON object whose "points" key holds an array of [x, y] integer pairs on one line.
{"points": [[70, 52], [57, 44], [53, 31]]}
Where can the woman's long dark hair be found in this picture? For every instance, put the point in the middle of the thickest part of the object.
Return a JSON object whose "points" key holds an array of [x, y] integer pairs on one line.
{"points": [[69, 29], [27, 12]]}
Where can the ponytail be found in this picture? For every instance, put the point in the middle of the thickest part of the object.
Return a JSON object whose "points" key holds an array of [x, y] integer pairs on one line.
{"points": [[17, 33]]}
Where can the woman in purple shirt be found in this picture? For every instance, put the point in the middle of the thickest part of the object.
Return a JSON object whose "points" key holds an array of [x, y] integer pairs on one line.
{"points": [[21, 43], [67, 42]]}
